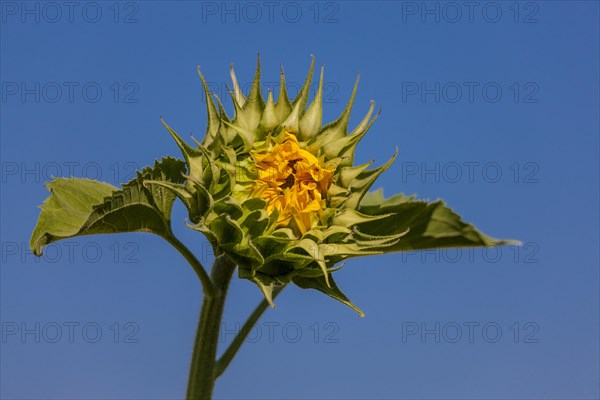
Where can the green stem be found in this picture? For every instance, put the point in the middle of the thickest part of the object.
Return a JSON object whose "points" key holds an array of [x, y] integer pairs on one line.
{"points": [[242, 334], [207, 284], [201, 379], [205, 369]]}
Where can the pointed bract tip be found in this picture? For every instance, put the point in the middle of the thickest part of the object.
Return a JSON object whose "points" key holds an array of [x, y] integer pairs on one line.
{"points": [[512, 242], [199, 72]]}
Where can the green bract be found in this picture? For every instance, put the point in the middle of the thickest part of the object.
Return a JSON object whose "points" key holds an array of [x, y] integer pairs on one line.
{"points": [[216, 181]]}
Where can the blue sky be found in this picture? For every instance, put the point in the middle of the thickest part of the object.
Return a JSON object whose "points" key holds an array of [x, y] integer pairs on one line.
{"points": [[494, 108]]}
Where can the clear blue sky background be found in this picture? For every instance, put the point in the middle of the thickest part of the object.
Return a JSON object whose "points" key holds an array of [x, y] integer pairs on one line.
{"points": [[541, 135]]}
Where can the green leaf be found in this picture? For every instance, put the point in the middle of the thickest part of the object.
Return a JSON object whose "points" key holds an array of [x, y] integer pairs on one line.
{"points": [[430, 224], [80, 207], [66, 210]]}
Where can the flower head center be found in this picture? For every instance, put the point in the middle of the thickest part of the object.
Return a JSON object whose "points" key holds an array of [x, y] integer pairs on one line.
{"points": [[293, 182]]}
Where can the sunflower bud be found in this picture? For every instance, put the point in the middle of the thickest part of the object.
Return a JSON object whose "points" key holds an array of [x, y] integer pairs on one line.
{"points": [[278, 192]]}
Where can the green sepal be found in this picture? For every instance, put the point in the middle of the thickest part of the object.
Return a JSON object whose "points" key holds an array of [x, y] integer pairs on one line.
{"points": [[332, 290], [283, 107], [310, 123], [214, 121], [350, 217], [238, 96], [292, 122], [192, 156], [222, 114], [254, 106], [255, 223], [244, 254], [338, 128], [345, 147], [270, 244], [269, 119], [363, 182], [347, 152], [229, 207], [348, 174], [312, 250], [226, 230], [265, 283]]}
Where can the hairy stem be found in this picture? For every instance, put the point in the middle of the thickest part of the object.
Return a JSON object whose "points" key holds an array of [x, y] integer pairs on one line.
{"points": [[202, 377]]}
